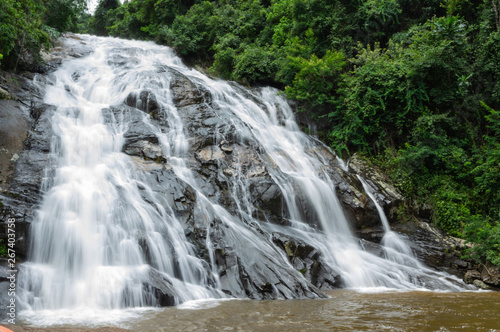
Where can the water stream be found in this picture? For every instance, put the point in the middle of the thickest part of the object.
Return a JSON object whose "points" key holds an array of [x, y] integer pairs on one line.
{"points": [[105, 242], [395, 247]]}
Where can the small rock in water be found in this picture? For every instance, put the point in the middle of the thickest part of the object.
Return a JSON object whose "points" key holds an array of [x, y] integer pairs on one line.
{"points": [[471, 276], [480, 284], [4, 94]]}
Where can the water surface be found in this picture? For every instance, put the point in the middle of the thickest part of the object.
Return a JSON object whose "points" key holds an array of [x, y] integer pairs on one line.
{"points": [[345, 310]]}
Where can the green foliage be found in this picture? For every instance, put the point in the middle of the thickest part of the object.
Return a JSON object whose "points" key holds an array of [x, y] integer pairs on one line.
{"points": [[21, 34], [317, 80], [103, 16], [26, 26], [485, 240], [379, 17], [194, 33], [63, 15], [255, 64]]}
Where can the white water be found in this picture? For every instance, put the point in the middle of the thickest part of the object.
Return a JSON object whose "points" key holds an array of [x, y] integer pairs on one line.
{"points": [[88, 262], [396, 248]]}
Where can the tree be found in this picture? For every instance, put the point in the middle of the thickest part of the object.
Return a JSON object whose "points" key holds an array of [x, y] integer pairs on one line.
{"points": [[22, 32], [102, 17], [63, 15]]}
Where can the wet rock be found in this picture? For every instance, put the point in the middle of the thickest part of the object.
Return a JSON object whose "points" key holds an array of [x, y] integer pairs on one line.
{"points": [[480, 284], [308, 261], [372, 234], [147, 150], [358, 207], [70, 46], [137, 129], [434, 248], [185, 92], [162, 288], [268, 199], [226, 149], [210, 155], [385, 193], [205, 126], [260, 280], [472, 275], [14, 125], [119, 60], [42, 133], [145, 101], [25, 160]]}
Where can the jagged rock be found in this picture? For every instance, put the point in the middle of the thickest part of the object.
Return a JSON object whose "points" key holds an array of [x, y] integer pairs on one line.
{"points": [[25, 132], [210, 155], [385, 190], [472, 275], [146, 150], [14, 125], [184, 91], [358, 207], [434, 248], [118, 60], [252, 272], [308, 261], [145, 101], [42, 133], [386, 194], [173, 192], [205, 126], [137, 129], [163, 289], [268, 199]]}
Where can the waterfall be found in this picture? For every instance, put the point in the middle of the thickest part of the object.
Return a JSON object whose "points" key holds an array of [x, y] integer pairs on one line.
{"points": [[396, 248], [107, 239]]}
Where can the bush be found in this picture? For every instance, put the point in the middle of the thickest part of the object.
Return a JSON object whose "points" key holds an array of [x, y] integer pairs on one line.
{"points": [[255, 65], [21, 32]]}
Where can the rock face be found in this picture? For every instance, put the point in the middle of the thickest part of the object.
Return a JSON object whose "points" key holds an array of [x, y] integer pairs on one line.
{"points": [[223, 162], [26, 136]]}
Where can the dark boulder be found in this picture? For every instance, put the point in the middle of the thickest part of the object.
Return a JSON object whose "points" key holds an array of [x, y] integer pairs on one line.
{"points": [[308, 261], [146, 101], [185, 92]]}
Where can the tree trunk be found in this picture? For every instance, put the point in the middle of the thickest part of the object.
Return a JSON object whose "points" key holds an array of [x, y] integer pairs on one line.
{"points": [[497, 14]]}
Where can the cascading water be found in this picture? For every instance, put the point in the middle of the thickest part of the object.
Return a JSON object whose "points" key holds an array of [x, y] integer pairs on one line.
{"points": [[396, 248], [105, 240], [94, 227]]}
